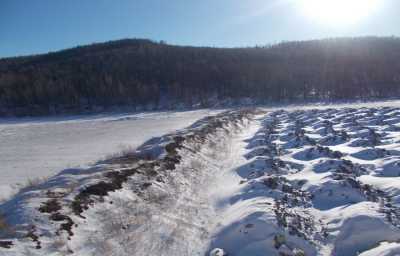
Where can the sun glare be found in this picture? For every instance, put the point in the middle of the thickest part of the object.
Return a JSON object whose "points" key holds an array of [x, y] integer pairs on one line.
{"points": [[339, 12]]}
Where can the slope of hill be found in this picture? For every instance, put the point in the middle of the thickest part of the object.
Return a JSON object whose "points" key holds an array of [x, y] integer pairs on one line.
{"points": [[139, 73]]}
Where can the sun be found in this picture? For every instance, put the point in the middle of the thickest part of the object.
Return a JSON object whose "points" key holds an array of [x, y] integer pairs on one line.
{"points": [[338, 12]]}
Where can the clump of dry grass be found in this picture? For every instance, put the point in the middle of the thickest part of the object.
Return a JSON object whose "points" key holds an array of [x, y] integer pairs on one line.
{"points": [[31, 183], [123, 150], [35, 182]]}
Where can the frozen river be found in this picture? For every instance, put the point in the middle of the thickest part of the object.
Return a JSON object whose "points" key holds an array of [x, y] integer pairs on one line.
{"points": [[40, 147]]}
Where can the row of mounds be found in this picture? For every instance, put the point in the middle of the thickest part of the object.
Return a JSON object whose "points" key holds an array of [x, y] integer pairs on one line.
{"points": [[291, 207], [371, 194], [296, 135], [347, 172], [366, 135], [366, 190], [335, 139], [375, 153], [369, 138], [293, 200], [316, 152], [347, 167], [287, 194], [262, 230], [296, 222]]}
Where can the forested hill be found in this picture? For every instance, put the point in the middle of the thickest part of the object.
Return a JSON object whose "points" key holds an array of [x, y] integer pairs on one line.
{"points": [[142, 73]]}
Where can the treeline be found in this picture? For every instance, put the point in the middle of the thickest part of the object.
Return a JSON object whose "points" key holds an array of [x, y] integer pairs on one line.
{"points": [[141, 73]]}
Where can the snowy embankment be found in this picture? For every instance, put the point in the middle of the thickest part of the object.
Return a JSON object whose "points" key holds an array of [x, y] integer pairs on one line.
{"points": [[281, 182], [151, 201], [32, 148]]}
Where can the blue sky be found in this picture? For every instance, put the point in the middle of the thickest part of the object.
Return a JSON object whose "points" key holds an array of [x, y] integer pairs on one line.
{"points": [[39, 26]]}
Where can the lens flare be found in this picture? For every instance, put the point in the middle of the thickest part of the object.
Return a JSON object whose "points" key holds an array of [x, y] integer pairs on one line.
{"points": [[339, 12]]}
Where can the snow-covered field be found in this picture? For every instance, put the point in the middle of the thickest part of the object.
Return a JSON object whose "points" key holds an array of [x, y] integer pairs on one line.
{"points": [[41, 147], [317, 182], [304, 180]]}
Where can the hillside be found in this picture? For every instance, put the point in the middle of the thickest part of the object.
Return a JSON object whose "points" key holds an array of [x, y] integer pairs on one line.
{"points": [[143, 74]]}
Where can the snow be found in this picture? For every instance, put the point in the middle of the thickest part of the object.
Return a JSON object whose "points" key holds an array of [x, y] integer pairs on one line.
{"points": [[384, 249], [32, 148], [217, 252], [309, 181], [337, 216]]}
